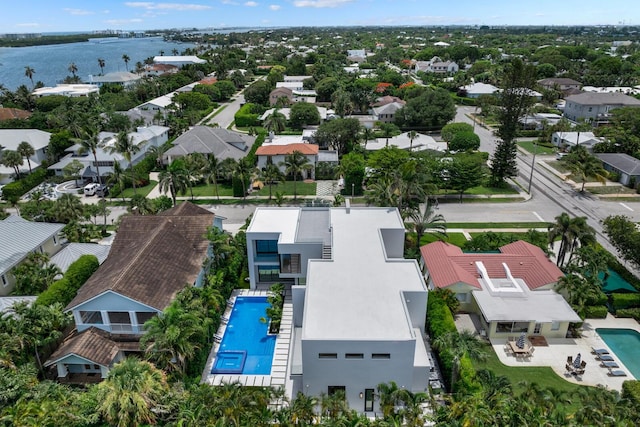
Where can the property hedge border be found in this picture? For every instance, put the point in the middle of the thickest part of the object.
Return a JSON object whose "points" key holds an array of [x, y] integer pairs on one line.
{"points": [[622, 301], [65, 289]]}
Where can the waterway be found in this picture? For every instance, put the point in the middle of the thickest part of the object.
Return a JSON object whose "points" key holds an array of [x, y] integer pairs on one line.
{"points": [[51, 62]]}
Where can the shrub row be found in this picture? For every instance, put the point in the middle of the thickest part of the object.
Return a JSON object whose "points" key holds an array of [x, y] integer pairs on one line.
{"points": [[629, 312], [631, 391], [247, 115], [619, 301], [14, 190], [65, 289], [595, 312], [256, 144]]}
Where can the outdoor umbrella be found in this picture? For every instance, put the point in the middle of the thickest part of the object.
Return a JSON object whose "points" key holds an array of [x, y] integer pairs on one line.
{"points": [[576, 362], [520, 342]]}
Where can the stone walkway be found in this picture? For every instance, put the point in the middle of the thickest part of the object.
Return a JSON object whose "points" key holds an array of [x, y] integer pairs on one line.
{"points": [[326, 188]]}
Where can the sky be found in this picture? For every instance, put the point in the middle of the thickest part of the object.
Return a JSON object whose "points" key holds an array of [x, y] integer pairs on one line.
{"points": [[38, 16]]}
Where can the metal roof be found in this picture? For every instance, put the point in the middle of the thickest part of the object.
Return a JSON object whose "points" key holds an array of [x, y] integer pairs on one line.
{"points": [[73, 251]]}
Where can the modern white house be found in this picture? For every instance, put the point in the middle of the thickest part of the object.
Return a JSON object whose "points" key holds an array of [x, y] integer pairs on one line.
{"points": [[153, 258], [436, 65], [512, 291], [18, 238], [566, 140], [143, 138], [10, 139], [70, 90], [178, 61], [475, 90], [359, 307], [122, 78]]}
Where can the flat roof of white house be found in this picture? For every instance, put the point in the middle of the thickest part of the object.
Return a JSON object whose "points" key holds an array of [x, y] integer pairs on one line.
{"points": [[67, 90], [358, 295], [192, 59], [276, 220]]}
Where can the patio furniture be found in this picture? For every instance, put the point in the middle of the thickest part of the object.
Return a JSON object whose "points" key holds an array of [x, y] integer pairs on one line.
{"points": [[617, 373], [569, 367], [609, 365], [599, 351], [517, 351], [604, 358]]}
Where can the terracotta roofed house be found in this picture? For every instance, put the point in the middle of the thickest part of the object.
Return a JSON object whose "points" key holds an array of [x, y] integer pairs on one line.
{"points": [[275, 154]]}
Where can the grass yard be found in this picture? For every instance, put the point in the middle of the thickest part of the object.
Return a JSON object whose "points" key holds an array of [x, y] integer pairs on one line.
{"points": [[518, 235], [559, 166], [457, 239], [302, 188], [481, 190], [532, 147], [209, 190], [543, 376], [492, 225], [612, 189], [128, 192]]}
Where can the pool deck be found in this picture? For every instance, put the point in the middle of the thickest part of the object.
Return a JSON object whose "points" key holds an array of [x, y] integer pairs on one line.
{"points": [[278, 377], [555, 355]]}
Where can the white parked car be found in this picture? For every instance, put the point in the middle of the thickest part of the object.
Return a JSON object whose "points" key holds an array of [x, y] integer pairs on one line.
{"points": [[90, 189]]}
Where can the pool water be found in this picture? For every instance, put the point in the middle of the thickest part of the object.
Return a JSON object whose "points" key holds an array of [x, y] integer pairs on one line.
{"points": [[246, 333], [625, 343]]}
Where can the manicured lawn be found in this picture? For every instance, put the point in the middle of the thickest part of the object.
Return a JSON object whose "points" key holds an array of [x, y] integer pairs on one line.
{"points": [[457, 239], [209, 190], [519, 235], [302, 188], [128, 192], [614, 189], [532, 147], [493, 225], [482, 190], [543, 376], [559, 166]]}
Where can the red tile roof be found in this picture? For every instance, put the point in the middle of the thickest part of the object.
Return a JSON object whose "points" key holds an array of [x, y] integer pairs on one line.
{"points": [[448, 265], [274, 150], [13, 113]]}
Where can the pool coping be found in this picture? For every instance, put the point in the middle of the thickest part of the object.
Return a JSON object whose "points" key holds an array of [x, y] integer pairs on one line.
{"points": [[280, 360]]}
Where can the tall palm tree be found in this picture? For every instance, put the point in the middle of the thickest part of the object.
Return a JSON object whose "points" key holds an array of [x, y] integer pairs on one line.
{"points": [[275, 122], [212, 171], [243, 169], [130, 393], [295, 163], [194, 164], [68, 208], [124, 145], [573, 233], [389, 395], [91, 141], [26, 150], [29, 72], [271, 174], [303, 410], [367, 135], [73, 69], [157, 152], [174, 179], [12, 159], [427, 221], [583, 166], [101, 64], [412, 134], [118, 176], [459, 344], [126, 60]]}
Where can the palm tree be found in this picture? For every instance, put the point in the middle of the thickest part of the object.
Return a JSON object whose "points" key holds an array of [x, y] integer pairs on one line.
{"points": [[412, 134], [91, 142], [271, 174], [118, 176], [130, 393], [302, 410], [367, 135], [584, 166], [73, 69], [126, 60], [572, 232], [124, 145], [26, 150], [174, 179], [212, 171], [275, 122], [157, 152], [194, 164], [12, 159], [427, 221], [243, 169], [389, 395], [140, 205], [459, 344], [295, 163], [29, 72], [68, 208], [101, 64], [388, 130]]}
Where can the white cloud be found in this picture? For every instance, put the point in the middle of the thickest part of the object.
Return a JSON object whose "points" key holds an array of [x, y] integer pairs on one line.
{"points": [[274, 7], [320, 3], [251, 4], [116, 22], [166, 6], [234, 3], [28, 24], [77, 11]]}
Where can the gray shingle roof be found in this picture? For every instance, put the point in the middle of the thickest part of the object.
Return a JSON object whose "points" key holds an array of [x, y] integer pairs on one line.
{"points": [[18, 237], [621, 161], [218, 141], [593, 98]]}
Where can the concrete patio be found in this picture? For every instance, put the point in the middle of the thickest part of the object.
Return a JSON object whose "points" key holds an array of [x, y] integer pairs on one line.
{"points": [[555, 354]]}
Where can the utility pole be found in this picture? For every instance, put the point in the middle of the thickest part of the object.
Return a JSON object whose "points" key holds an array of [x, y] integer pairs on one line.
{"points": [[533, 164]]}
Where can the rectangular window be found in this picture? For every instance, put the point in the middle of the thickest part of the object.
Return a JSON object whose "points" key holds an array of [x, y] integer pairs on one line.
{"points": [[266, 247], [268, 273], [555, 326], [354, 356], [512, 327], [333, 389], [537, 328], [143, 316], [381, 356], [462, 297], [119, 317], [290, 263], [55, 241], [4, 280], [368, 399], [327, 355], [91, 317]]}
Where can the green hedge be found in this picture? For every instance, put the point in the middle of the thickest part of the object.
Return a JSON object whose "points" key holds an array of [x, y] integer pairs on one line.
{"points": [[65, 289], [463, 101], [631, 391], [595, 312], [256, 144], [247, 116], [629, 312], [14, 190], [619, 301]]}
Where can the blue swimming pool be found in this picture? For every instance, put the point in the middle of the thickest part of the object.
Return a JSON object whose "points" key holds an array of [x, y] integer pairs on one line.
{"points": [[246, 336], [625, 343]]}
